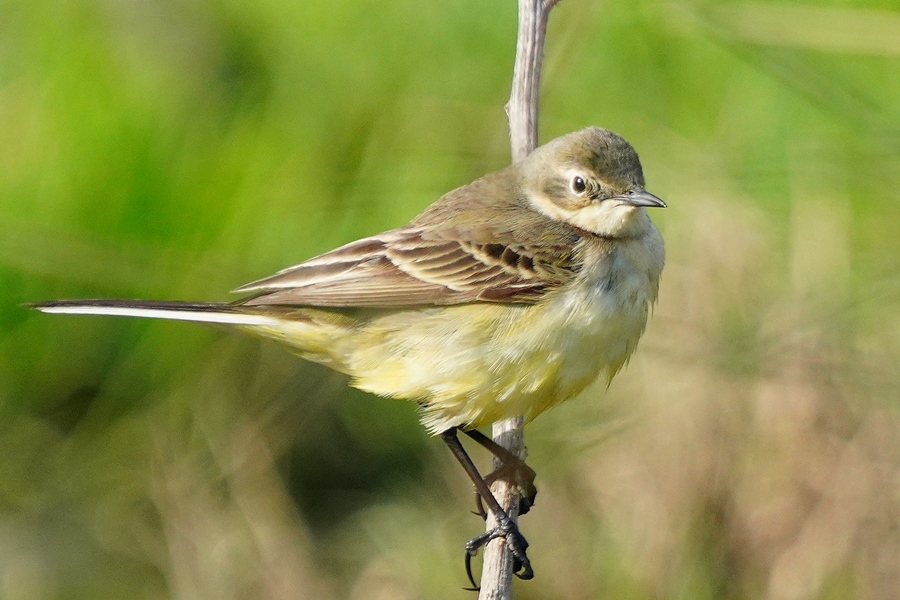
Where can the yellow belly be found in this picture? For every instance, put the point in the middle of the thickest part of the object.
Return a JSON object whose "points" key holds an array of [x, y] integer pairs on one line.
{"points": [[471, 365]]}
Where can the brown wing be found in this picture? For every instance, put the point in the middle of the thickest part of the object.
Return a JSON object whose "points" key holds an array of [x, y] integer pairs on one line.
{"points": [[461, 249]]}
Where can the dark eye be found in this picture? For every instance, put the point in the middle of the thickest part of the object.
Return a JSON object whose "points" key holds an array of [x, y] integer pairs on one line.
{"points": [[578, 184]]}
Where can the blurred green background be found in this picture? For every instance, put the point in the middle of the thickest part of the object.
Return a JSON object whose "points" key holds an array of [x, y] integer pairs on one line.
{"points": [[178, 148]]}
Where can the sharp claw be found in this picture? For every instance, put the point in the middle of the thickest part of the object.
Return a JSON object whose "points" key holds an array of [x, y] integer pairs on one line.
{"points": [[479, 510], [521, 563], [514, 540], [475, 587], [527, 573]]}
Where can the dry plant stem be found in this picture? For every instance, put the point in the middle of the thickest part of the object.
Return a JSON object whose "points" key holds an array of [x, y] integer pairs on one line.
{"points": [[496, 574], [522, 111]]}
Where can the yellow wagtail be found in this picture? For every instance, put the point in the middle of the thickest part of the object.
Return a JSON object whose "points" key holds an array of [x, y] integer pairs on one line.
{"points": [[505, 297]]}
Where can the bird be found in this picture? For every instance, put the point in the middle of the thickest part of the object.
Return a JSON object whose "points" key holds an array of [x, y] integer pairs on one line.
{"points": [[504, 298]]}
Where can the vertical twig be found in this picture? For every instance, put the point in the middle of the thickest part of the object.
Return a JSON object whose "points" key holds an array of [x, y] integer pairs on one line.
{"points": [[522, 111]]}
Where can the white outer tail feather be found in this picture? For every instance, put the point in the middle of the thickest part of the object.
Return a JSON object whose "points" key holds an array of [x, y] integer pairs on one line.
{"points": [[223, 318]]}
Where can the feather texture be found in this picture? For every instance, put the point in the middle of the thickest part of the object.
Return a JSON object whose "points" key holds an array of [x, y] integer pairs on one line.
{"points": [[453, 253]]}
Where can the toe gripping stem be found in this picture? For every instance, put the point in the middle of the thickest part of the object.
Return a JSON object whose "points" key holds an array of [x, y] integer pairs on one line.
{"points": [[505, 528]]}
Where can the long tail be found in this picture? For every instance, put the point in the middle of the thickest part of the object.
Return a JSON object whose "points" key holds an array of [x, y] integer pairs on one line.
{"points": [[204, 312]]}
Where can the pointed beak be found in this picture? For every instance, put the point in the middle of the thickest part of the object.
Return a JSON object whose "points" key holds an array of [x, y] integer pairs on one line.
{"points": [[638, 196]]}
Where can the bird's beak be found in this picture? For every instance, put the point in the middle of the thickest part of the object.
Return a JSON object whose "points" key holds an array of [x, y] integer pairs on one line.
{"points": [[638, 196]]}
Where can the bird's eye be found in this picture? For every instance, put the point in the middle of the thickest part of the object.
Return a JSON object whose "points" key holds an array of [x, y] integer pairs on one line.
{"points": [[578, 185]]}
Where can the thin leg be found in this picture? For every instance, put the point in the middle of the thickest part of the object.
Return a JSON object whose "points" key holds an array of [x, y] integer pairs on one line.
{"points": [[512, 467], [505, 528]]}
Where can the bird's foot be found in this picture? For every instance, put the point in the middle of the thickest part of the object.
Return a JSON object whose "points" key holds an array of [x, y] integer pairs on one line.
{"points": [[516, 543]]}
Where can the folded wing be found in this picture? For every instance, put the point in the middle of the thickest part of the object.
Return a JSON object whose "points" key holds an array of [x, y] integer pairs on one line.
{"points": [[481, 242], [408, 266]]}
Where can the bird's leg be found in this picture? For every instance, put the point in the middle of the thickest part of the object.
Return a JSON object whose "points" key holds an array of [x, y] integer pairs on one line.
{"points": [[511, 467], [505, 528]]}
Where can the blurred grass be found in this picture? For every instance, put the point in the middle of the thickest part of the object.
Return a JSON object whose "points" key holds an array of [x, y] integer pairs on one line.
{"points": [[171, 149]]}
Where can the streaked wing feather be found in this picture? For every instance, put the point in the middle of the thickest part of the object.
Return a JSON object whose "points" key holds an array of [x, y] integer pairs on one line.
{"points": [[454, 252], [374, 281], [333, 265]]}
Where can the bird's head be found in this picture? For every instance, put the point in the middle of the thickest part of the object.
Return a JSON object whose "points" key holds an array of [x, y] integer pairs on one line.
{"points": [[591, 179]]}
